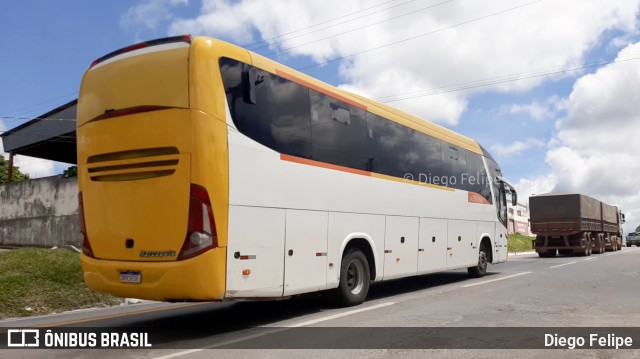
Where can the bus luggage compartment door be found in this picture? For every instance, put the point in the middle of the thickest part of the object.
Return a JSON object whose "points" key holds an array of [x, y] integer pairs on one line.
{"points": [[255, 252]]}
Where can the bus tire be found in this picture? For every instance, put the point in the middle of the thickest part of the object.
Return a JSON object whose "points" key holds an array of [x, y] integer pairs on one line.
{"points": [[355, 278], [480, 269]]}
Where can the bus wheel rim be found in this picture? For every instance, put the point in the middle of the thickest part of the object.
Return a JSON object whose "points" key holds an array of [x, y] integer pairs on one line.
{"points": [[483, 261], [355, 278]]}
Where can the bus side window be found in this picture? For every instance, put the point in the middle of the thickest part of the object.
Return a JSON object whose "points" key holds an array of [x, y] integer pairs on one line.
{"points": [[267, 108], [475, 179], [339, 132]]}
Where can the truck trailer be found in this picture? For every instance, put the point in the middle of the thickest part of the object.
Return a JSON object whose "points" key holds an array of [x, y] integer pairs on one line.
{"points": [[572, 223]]}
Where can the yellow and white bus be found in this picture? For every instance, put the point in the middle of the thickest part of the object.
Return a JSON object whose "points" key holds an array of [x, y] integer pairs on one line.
{"points": [[208, 172]]}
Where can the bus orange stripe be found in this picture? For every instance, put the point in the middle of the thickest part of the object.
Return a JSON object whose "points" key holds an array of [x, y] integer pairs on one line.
{"points": [[319, 89], [305, 161], [476, 198]]}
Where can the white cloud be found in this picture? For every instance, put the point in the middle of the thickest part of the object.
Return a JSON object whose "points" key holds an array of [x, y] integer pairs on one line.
{"points": [[517, 147], [536, 110], [548, 34], [595, 150], [35, 167], [149, 14], [537, 185]]}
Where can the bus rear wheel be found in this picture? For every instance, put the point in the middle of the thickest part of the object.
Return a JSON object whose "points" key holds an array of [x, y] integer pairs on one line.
{"points": [[355, 278], [480, 270]]}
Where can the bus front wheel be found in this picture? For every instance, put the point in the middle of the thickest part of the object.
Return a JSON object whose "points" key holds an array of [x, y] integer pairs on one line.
{"points": [[479, 270], [354, 278]]}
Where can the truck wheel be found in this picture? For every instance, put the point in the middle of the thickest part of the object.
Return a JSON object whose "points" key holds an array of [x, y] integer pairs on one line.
{"points": [[479, 270], [354, 278]]}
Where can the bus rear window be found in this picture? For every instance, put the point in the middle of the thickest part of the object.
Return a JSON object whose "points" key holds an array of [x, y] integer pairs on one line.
{"points": [[150, 77]]}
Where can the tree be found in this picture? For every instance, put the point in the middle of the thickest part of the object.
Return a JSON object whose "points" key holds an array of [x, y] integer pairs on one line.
{"points": [[72, 171], [4, 172]]}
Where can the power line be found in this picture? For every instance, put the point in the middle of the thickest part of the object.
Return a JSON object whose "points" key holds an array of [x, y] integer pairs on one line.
{"points": [[418, 36], [513, 77], [344, 22], [330, 20], [43, 102], [432, 91], [358, 28], [471, 85]]}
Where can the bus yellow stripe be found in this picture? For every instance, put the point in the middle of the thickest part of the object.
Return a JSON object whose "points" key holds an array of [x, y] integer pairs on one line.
{"points": [[410, 181]]}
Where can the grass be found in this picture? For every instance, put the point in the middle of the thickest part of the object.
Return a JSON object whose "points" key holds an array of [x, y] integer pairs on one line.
{"points": [[35, 281], [519, 243]]}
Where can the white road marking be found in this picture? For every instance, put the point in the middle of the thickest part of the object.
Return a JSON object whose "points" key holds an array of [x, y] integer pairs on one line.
{"points": [[563, 264], [339, 315], [494, 280], [590, 258], [179, 354], [277, 329]]}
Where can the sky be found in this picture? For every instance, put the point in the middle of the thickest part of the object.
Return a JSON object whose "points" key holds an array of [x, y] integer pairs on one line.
{"points": [[550, 87]]}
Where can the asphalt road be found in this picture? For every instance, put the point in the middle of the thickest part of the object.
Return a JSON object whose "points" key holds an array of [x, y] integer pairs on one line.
{"points": [[527, 291]]}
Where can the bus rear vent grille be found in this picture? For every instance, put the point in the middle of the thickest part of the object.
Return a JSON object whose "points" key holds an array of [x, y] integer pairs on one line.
{"points": [[134, 164]]}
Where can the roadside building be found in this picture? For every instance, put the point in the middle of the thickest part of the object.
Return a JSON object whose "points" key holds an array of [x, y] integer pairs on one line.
{"points": [[518, 216]]}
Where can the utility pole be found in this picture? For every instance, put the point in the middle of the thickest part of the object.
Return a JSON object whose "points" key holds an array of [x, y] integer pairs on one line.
{"points": [[10, 174]]}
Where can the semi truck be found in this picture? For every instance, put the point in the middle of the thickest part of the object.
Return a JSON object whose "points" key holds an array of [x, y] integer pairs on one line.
{"points": [[574, 224]]}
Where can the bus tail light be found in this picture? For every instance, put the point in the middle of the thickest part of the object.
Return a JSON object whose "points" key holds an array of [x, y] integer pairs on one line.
{"points": [[86, 246], [201, 233]]}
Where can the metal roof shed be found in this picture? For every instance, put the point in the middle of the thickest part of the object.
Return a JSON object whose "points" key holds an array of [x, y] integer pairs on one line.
{"points": [[51, 136]]}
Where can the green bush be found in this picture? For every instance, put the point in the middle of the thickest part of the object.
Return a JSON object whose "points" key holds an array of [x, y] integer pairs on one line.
{"points": [[37, 281]]}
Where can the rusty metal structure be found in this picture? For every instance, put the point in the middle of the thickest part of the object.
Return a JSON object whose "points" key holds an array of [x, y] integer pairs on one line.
{"points": [[572, 223]]}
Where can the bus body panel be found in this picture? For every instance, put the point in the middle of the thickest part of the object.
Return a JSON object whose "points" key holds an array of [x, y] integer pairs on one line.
{"points": [[193, 279], [262, 177], [255, 255], [400, 247], [345, 227], [501, 244], [158, 78], [305, 264], [432, 255], [460, 244], [487, 230], [132, 160]]}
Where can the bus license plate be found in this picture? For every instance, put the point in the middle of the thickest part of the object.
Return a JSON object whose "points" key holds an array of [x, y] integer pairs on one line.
{"points": [[130, 277]]}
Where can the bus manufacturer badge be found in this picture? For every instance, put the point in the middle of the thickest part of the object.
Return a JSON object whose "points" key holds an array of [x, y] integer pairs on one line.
{"points": [[157, 254]]}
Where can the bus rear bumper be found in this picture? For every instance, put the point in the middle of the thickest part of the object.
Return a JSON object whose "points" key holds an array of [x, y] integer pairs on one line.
{"points": [[197, 279]]}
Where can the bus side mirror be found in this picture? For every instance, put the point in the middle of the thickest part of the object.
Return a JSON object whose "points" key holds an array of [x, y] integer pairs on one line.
{"points": [[249, 80], [512, 189]]}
